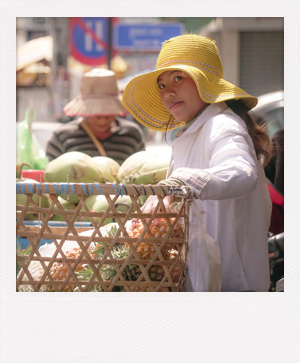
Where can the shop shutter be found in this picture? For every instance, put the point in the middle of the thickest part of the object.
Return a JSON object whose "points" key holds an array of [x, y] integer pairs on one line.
{"points": [[262, 61]]}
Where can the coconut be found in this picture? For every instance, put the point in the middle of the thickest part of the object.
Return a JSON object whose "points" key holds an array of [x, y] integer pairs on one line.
{"points": [[123, 203], [96, 203], [66, 205], [99, 203], [108, 168], [73, 167], [144, 167]]}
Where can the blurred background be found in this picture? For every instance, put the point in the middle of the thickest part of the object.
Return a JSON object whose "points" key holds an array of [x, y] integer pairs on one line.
{"points": [[54, 53]]}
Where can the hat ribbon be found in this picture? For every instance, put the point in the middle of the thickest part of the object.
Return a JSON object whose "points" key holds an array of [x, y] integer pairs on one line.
{"points": [[202, 66]]}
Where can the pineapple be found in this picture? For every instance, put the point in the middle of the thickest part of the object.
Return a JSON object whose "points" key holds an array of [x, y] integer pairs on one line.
{"points": [[159, 229], [157, 273], [106, 271], [133, 271], [60, 271]]}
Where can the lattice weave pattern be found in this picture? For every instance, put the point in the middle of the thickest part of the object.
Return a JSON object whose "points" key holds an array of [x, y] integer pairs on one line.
{"points": [[148, 255]]}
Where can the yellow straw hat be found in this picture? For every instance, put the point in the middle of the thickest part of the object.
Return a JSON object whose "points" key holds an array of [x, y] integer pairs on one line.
{"points": [[197, 56]]}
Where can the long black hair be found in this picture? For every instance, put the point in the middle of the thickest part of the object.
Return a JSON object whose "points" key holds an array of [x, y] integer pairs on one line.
{"points": [[257, 129]]}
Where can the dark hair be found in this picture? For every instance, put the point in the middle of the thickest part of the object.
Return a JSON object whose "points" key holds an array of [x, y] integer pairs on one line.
{"points": [[257, 129]]}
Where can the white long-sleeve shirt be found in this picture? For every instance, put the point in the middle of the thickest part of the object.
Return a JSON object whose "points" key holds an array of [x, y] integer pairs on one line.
{"points": [[215, 156]]}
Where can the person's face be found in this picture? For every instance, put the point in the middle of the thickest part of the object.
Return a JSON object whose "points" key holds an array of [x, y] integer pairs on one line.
{"points": [[179, 95], [100, 124]]}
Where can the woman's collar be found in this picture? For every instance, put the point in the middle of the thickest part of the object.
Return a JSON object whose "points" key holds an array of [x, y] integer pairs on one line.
{"points": [[189, 123], [206, 113]]}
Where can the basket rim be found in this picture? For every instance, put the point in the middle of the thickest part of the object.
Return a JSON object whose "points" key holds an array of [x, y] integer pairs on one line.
{"points": [[100, 188]]}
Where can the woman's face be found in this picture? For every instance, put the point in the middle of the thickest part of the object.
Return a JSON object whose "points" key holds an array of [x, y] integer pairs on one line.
{"points": [[179, 95]]}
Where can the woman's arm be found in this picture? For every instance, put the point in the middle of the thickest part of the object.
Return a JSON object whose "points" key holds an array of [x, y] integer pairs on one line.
{"points": [[231, 171]]}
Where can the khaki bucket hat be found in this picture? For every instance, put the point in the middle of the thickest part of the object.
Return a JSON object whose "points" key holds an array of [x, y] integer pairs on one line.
{"points": [[99, 95], [197, 56]]}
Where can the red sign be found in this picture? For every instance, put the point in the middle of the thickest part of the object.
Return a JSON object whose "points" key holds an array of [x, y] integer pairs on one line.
{"points": [[89, 40]]}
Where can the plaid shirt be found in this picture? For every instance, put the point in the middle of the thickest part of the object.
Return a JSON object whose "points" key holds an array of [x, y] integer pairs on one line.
{"points": [[196, 179]]}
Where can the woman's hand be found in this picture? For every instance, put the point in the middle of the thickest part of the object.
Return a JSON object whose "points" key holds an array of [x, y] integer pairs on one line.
{"points": [[151, 203]]}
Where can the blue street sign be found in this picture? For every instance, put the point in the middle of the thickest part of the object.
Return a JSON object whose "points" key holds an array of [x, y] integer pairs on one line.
{"points": [[144, 36]]}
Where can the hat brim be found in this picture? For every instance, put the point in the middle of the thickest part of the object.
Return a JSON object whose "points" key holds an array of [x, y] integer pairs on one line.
{"points": [[94, 106], [141, 96]]}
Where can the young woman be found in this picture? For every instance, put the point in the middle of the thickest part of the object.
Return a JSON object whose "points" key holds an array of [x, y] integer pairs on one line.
{"points": [[219, 152]]}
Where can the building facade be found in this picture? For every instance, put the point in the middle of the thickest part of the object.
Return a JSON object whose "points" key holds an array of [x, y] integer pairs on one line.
{"points": [[252, 51]]}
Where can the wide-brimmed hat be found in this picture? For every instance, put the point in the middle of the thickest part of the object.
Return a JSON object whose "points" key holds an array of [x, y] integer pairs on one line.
{"points": [[99, 95], [197, 56]]}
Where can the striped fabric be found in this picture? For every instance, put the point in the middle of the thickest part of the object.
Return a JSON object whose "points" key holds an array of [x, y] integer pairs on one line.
{"points": [[125, 141]]}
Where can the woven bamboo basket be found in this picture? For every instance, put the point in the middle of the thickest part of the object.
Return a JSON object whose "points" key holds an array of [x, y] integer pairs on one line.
{"points": [[97, 256]]}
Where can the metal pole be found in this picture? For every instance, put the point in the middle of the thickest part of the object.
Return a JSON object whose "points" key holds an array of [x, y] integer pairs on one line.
{"points": [[109, 43]]}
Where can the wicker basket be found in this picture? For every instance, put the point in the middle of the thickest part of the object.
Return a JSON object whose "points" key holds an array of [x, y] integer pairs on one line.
{"points": [[98, 257]]}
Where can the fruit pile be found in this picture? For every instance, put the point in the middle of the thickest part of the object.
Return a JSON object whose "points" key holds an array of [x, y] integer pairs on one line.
{"points": [[118, 262]]}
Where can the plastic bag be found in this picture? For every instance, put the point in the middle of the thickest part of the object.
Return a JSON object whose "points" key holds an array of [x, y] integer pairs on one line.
{"points": [[28, 148], [204, 262]]}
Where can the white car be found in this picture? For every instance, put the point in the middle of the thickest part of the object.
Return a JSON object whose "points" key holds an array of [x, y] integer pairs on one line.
{"points": [[271, 108]]}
